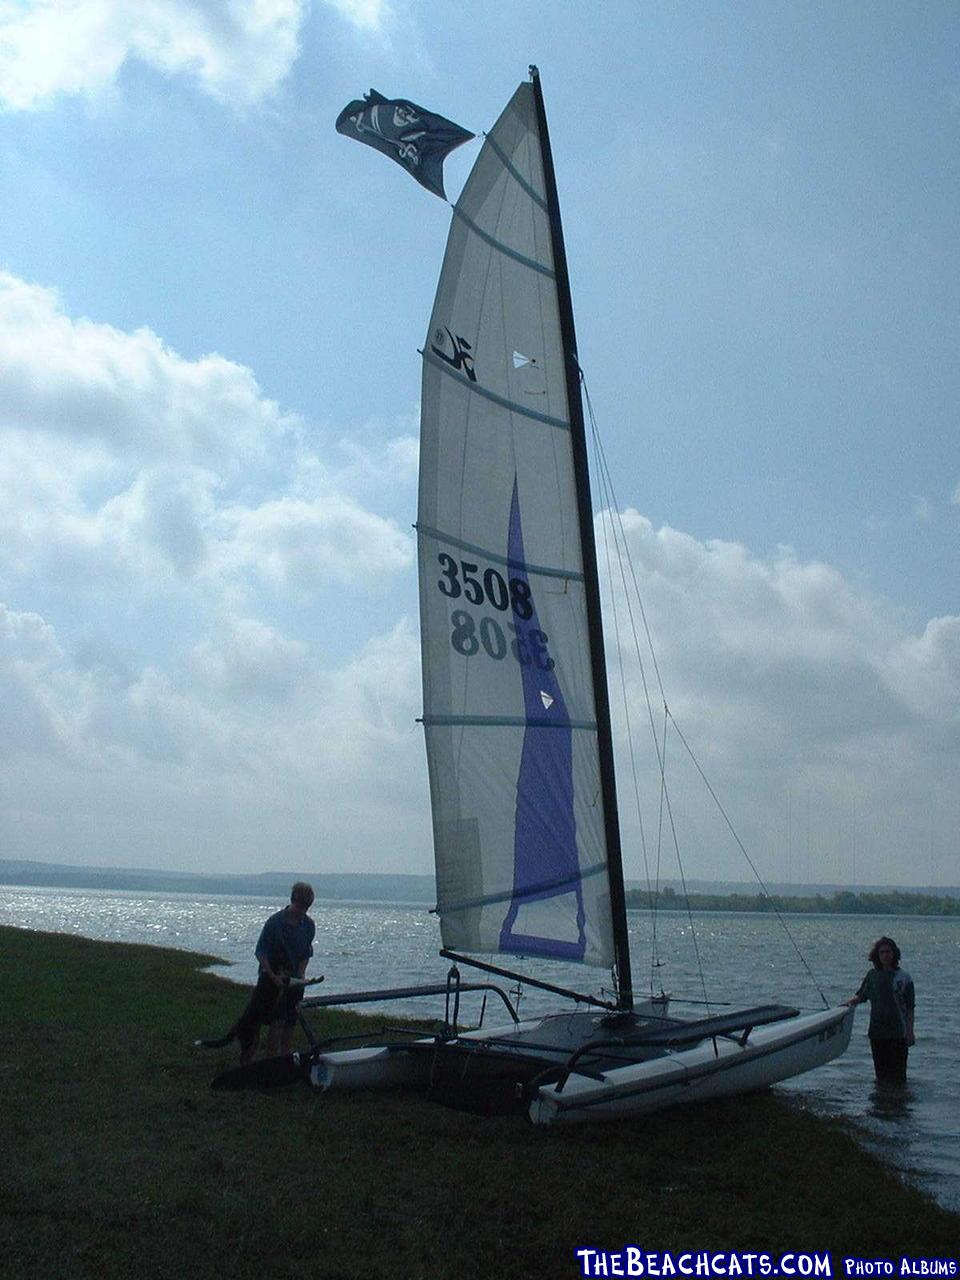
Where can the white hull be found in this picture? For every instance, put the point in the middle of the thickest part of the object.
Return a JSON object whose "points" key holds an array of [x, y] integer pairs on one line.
{"points": [[712, 1068], [715, 1068]]}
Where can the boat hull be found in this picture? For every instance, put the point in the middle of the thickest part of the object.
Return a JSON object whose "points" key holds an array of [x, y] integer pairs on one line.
{"points": [[507, 1050], [504, 1064], [714, 1068]]}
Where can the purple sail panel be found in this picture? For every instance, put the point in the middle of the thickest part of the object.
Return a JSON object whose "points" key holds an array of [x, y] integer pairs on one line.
{"points": [[545, 858]]}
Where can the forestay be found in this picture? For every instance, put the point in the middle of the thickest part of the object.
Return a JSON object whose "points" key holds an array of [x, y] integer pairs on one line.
{"points": [[509, 708]]}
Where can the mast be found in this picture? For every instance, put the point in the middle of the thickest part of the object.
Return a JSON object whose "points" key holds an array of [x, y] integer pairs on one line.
{"points": [[608, 786]]}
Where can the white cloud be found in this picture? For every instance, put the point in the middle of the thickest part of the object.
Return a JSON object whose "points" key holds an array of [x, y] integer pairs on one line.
{"points": [[150, 529], [33, 708], [252, 751], [787, 679], [296, 544], [25, 637], [237, 50], [127, 391], [366, 15], [167, 541], [250, 660], [396, 461], [124, 463], [926, 672]]}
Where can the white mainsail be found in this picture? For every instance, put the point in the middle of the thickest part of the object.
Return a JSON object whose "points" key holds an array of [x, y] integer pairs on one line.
{"points": [[509, 705]]}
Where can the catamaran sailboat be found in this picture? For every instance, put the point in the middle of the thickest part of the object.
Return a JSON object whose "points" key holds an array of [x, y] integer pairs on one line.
{"points": [[515, 704]]}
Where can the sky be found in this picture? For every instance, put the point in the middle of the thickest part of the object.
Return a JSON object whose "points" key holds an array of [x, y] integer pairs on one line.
{"points": [[210, 310]]}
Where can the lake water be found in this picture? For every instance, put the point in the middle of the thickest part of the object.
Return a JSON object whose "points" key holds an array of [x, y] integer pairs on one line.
{"points": [[745, 959]]}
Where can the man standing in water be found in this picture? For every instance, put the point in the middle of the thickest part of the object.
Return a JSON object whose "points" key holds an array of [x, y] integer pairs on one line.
{"points": [[283, 951], [890, 992]]}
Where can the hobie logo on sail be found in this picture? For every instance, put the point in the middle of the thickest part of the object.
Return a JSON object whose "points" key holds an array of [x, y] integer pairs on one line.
{"points": [[461, 359]]}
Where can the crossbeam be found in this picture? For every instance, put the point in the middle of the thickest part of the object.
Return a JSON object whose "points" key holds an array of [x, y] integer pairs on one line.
{"points": [[680, 1033], [725, 1024], [405, 993]]}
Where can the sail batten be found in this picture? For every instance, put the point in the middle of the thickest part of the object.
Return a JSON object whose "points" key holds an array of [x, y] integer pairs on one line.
{"points": [[541, 570], [598, 869], [525, 411], [503, 248], [509, 706], [493, 722], [516, 174]]}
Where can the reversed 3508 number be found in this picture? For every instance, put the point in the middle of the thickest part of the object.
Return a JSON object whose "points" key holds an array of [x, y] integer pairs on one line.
{"points": [[461, 579]]}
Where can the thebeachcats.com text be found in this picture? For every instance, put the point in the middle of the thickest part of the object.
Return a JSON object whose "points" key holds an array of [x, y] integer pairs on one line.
{"points": [[631, 1260], [634, 1261]]}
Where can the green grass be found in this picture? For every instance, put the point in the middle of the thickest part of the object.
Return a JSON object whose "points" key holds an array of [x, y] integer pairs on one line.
{"points": [[119, 1161]]}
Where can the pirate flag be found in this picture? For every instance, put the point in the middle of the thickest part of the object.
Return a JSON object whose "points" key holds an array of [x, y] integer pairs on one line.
{"points": [[416, 139]]}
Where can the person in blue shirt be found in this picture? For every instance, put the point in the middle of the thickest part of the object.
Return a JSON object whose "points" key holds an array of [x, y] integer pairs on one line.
{"points": [[283, 952], [889, 990]]}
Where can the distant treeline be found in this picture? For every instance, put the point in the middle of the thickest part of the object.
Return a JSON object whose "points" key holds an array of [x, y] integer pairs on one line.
{"points": [[841, 904], [343, 886]]}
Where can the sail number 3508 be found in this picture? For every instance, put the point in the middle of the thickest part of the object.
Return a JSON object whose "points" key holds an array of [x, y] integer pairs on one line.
{"points": [[468, 636], [460, 579]]}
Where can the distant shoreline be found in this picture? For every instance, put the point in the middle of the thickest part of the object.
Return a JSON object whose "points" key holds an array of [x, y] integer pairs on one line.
{"points": [[888, 903], [421, 890], [338, 886]]}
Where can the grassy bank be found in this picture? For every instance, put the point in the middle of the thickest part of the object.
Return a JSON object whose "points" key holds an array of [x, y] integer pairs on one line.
{"points": [[119, 1161]]}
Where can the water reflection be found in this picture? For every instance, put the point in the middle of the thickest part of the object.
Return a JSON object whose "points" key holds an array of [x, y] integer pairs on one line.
{"points": [[891, 1102]]}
